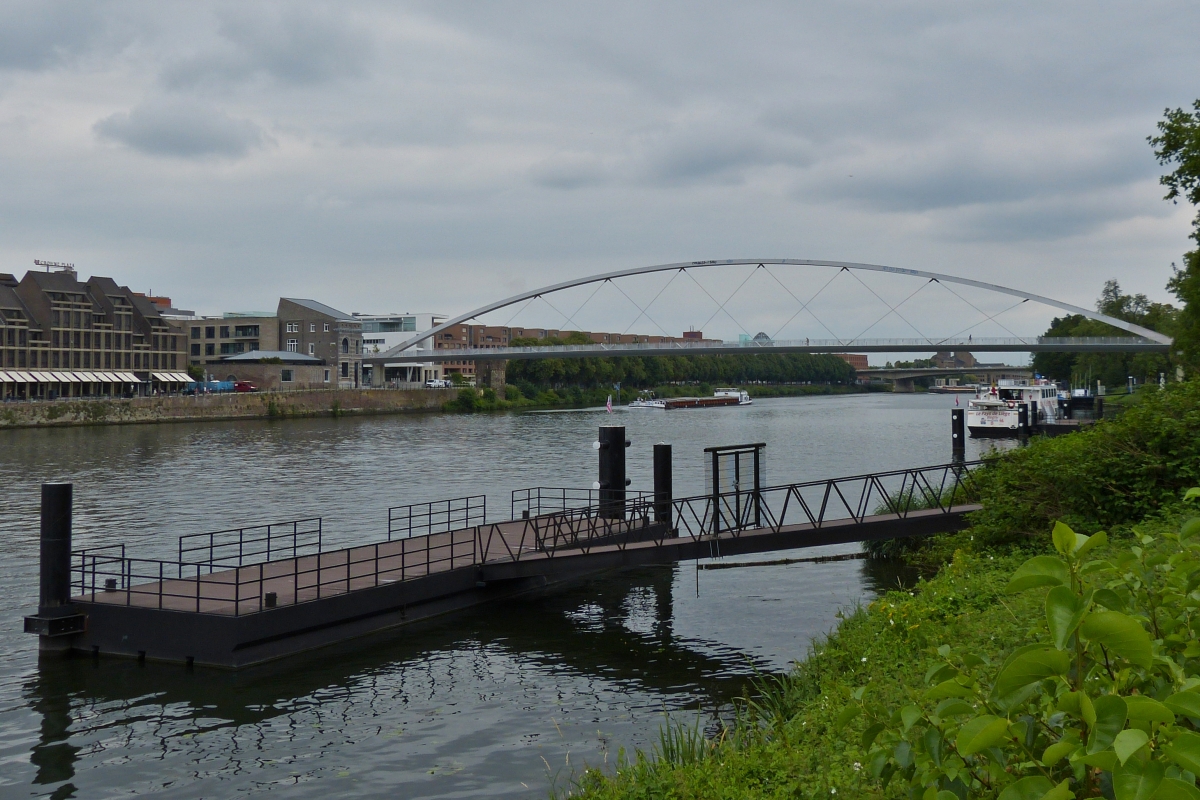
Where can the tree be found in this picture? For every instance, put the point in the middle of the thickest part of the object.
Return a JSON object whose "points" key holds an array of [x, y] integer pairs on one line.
{"points": [[1178, 145], [1111, 369]]}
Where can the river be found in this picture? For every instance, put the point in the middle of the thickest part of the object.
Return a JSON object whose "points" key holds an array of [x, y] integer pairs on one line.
{"points": [[494, 702]]}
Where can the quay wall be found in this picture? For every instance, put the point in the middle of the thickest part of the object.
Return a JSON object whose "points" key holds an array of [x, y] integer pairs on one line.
{"points": [[244, 405]]}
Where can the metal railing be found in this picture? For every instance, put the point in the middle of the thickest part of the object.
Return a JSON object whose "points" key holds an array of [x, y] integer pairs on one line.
{"points": [[233, 547], [539, 500], [215, 578], [818, 503], [436, 517]]}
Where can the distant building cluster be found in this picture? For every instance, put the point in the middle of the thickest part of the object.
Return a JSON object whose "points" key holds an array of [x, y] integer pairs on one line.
{"points": [[63, 337]]}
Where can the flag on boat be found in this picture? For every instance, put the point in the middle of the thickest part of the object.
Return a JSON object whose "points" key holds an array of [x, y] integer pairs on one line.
{"points": [[608, 405]]}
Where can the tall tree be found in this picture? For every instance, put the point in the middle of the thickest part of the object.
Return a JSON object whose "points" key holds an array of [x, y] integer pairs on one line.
{"points": [[1178, 145]]}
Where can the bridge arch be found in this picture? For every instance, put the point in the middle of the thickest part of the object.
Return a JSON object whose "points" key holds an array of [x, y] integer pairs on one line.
{"points": [[841, 265]]}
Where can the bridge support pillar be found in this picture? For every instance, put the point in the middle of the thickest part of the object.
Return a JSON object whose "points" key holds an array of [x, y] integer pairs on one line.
{"points": [[903, 385], [491, 375]]}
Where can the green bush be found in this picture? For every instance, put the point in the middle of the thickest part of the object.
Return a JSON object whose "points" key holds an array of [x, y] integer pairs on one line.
{"points": [[467, 400], [513, 394], [1106, 700]]}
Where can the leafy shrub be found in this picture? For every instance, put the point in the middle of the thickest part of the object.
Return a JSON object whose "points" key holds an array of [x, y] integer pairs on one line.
{"points": [[1107, 700], [512, 393]]}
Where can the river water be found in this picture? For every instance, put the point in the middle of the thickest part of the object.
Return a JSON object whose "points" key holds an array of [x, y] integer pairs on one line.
{"points": [[498, 702]]}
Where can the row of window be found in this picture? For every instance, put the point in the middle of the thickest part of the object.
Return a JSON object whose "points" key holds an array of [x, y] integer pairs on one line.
{"points": [[293, 346], [75, 360], [85, 319], [239, 331], [294, 327]]}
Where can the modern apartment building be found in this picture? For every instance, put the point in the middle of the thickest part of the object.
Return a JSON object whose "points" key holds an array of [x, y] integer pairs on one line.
{"points": [[382, 332], [62, 337]]}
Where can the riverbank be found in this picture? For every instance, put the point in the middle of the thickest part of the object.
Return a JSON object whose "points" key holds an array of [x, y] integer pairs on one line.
{"points": [[798, 735], [245, 405]]}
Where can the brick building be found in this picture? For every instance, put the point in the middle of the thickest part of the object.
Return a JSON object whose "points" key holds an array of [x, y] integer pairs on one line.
{"points": [[62, 337]]}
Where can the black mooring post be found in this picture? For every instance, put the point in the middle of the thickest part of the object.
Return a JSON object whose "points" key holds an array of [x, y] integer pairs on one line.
{"points": [[612, 444], [1032, 416], [1098, 409], [716, 492], [1022, 419], [662, 484], [958, 429], [55, 594], [757, 487]]}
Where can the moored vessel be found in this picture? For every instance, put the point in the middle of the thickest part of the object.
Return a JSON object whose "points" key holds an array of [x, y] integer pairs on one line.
{"points": [[721, 397], [995, 411]]}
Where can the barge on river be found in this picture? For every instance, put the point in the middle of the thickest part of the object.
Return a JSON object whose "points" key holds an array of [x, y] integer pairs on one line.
{"points": [[721, 397]]}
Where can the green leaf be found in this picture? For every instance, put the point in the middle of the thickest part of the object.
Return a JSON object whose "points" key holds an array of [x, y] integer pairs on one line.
{"points": [[1191, 494], [950, 688], [1189, 529], [1121, 634], [868, 737], [845, 715], [1184, 703], [1065, 540], [1033, 787], [1097, 539], [1038, 571], [1175, 789], [1057, 751], [952, 707], [1105, 760], [1064, 612], [1030, 667], [1185, 751], [1146, 709], [903, 754], [1109, 599], [909, 716], [1060, 792], [1128, 742], [940, 672], [933, 745], [1110, 719], [1137, 781], [946, 794], [980, 734]]}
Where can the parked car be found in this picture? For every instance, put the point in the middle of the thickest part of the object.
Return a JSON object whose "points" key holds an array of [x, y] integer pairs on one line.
{"points": [[244, 386], [438, 383]]}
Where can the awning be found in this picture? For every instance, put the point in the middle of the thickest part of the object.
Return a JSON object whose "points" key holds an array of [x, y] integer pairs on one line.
{"points": [[171, 377], [26, 377], [4, 377], [128, 377]]}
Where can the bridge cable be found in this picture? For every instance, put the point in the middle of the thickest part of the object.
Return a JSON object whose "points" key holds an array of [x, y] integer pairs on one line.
{"points": [[991, 318], [519, 310], [981, 311], [674, 275], [720, 305], [804, 306], [753, 272], [585, 302], [892, 310], [643, 310], [547, 302]]}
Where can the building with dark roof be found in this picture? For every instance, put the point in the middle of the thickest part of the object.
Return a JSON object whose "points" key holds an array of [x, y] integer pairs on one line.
{"points": [[63, 337]]}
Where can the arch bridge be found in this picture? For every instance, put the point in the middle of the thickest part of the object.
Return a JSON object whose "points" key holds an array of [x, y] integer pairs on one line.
{"points": [[1138, 340]]}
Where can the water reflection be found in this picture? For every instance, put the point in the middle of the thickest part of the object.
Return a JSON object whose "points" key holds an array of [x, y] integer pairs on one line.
{"points": [[571, 671]]}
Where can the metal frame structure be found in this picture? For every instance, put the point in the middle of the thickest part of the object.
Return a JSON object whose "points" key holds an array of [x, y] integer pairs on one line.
{"points": [[843, 265], [107, 576]]}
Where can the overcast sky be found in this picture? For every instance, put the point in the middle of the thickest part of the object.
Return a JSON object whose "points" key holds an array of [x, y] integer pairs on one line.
{"points": [[390, 157]]}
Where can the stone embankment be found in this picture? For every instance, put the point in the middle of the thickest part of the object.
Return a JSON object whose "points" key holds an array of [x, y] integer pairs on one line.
{"points": [[248, 405]]}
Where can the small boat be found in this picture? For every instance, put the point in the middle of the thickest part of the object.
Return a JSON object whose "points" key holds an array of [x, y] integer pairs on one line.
{"points": [[721, 397], [994, 411], [647, 400]]}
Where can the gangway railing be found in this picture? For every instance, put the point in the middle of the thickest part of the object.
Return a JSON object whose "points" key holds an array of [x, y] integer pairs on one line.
{"points": [[436, 517], [216, 578], [537, 500], [237, 546]]}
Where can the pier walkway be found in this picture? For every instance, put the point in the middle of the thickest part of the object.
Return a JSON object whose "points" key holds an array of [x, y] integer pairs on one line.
{"points": [[244, 596]]}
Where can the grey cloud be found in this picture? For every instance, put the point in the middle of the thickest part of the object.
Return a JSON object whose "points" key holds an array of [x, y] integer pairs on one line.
{"points": [[182, 129], [35, 35], [710, 150], [568, 172], [292, 45]]}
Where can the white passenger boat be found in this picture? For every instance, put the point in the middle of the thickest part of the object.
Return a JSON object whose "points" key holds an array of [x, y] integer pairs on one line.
{"points": [[647, 400], [994, 411]]}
